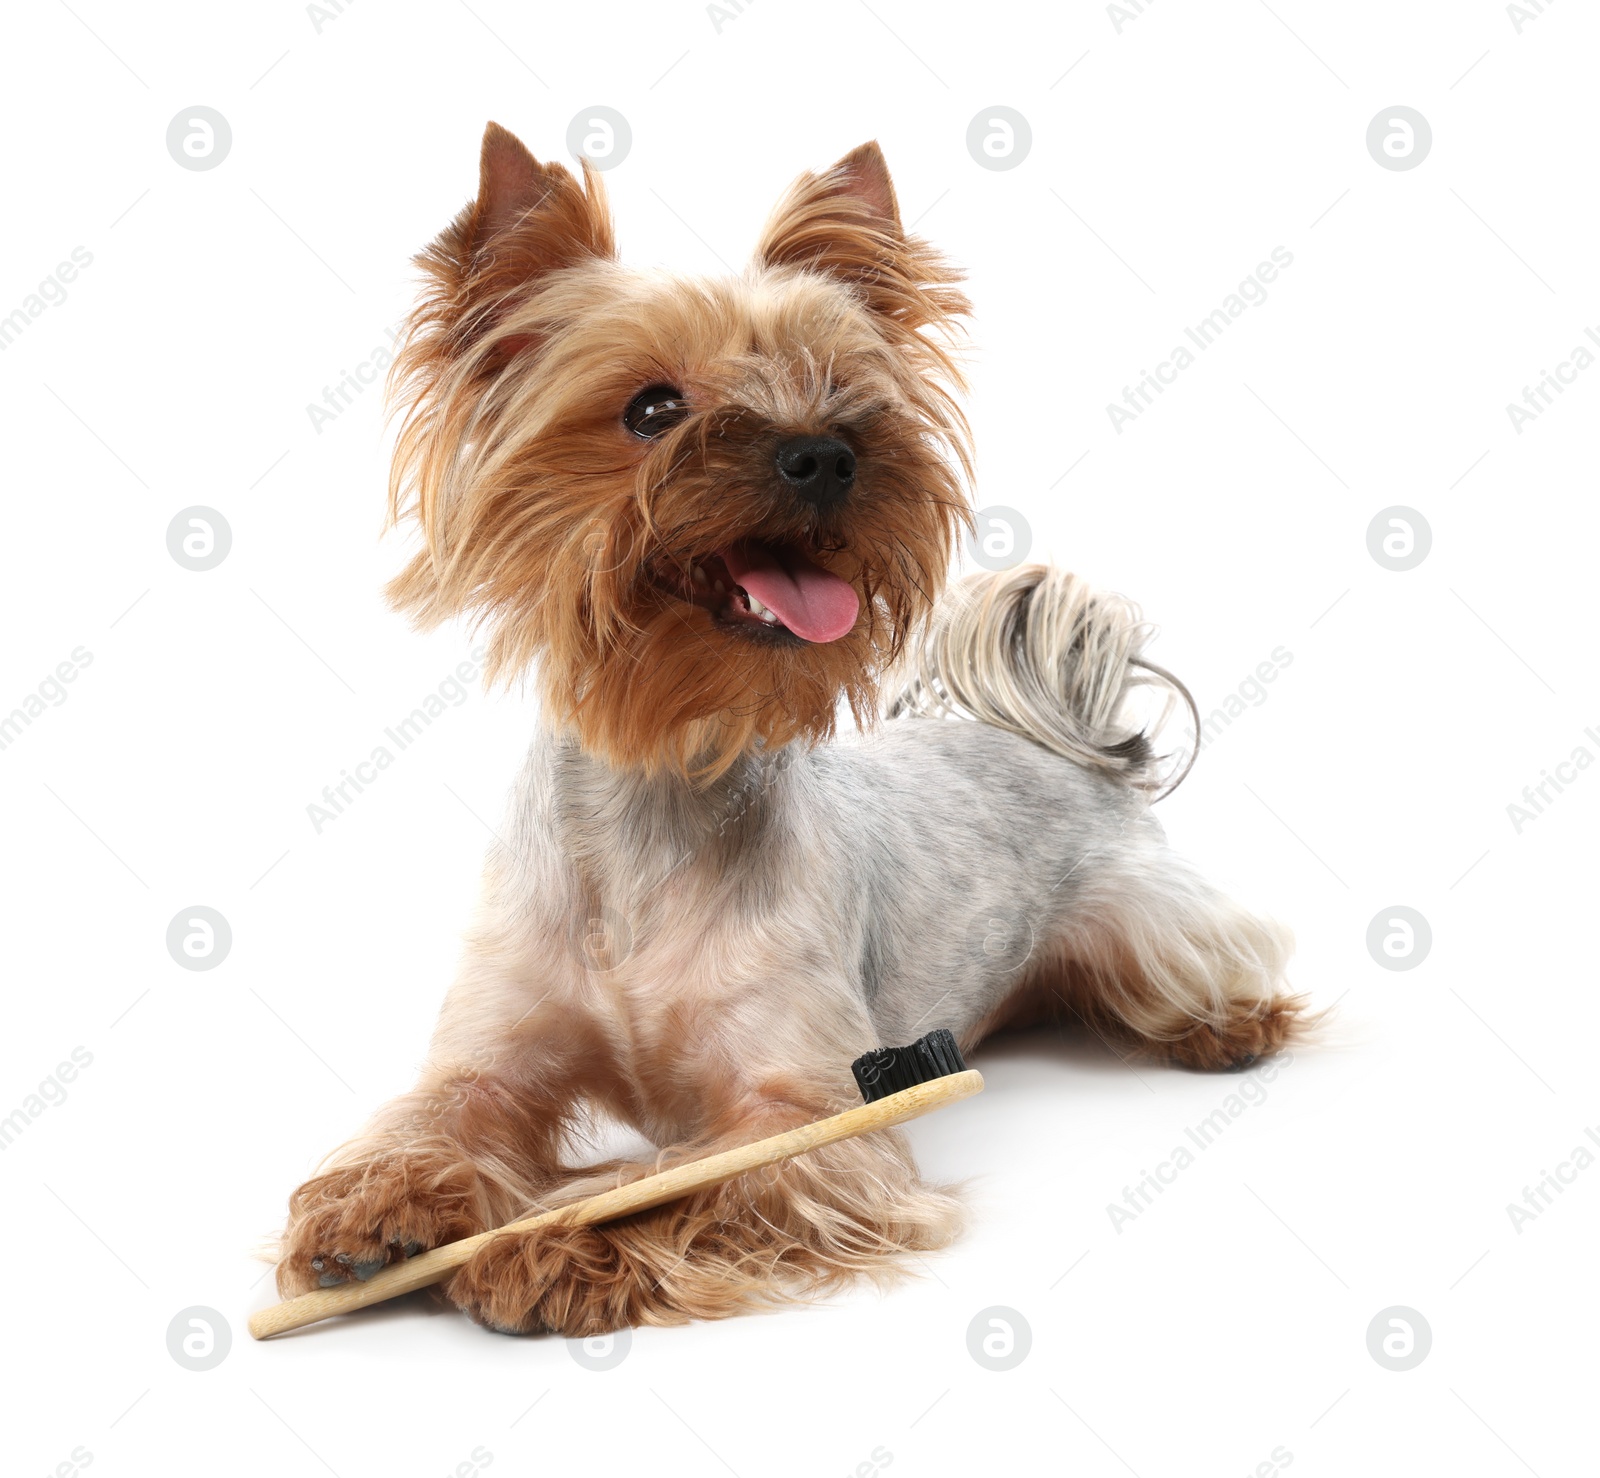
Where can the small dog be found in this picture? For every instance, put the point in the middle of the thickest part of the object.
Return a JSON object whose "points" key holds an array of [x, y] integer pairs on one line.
{"points": [[717, 516]]}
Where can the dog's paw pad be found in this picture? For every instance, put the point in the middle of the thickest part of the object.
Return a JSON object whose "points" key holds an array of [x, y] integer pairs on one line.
{"points": [[333, 1271]]}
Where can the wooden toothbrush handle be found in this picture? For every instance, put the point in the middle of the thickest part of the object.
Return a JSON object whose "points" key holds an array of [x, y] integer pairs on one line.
{"points": [[640, 1195]]}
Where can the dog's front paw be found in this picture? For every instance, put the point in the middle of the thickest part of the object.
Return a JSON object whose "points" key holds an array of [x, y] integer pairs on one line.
{"points": [[350, 1221], [542, 1282], [573, 1281]]}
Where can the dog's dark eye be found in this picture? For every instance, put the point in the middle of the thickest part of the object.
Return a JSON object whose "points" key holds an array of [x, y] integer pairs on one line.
{"points": [[655, 410]]}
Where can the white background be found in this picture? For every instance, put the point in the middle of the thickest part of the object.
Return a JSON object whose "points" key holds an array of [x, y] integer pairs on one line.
{"points": [[1167, 160]]}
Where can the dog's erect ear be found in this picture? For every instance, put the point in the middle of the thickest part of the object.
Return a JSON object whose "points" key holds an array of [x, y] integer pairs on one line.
{"points": [[845, 223], [520, 198], [863, 175], [510, 182], [529, 219], [824, 215]]}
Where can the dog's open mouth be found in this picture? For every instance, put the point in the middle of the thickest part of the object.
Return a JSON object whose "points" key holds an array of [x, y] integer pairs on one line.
{"points": [[778, 588]]}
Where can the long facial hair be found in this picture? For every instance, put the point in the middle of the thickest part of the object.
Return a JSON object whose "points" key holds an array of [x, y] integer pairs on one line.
{"points": [[571, 540]]}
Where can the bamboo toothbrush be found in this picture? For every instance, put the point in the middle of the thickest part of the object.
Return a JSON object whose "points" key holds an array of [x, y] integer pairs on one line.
{"points": [[897, 1084]]}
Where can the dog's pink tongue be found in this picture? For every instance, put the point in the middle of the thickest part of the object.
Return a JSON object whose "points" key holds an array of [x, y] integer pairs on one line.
{"points": [[812, 602]]}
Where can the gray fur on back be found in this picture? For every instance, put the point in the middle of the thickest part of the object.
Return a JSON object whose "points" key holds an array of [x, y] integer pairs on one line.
{"points": [[925, 862], [966, 847], [923, 867]]}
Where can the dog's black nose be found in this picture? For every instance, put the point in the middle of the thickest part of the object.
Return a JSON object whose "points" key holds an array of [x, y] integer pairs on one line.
{"points": [[820, 469]]}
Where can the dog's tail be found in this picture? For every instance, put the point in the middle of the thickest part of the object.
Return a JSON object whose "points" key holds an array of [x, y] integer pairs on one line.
{"points": [[1038, 651]]}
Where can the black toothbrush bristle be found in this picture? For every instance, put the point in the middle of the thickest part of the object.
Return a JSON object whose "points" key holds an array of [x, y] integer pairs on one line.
{"points": [[889, 1069]]}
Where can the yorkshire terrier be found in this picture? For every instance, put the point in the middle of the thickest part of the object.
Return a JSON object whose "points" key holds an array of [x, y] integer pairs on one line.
{"points": [[716, 517]]}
